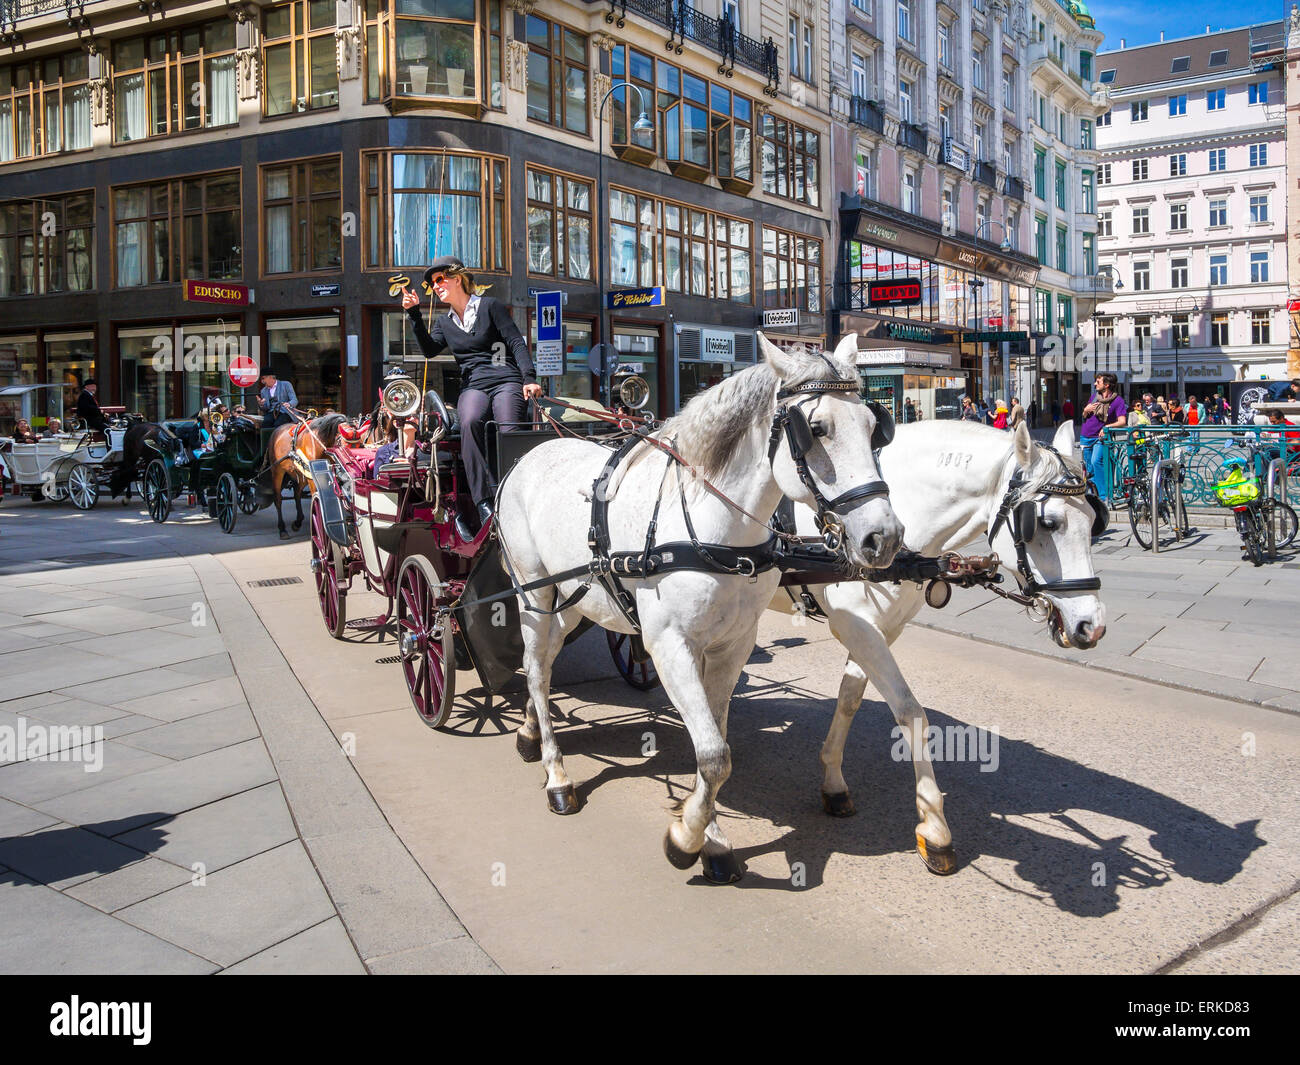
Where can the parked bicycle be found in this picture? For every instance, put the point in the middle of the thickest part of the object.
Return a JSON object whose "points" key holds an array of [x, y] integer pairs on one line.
{"points": [[1264, 522], [1143, 454]]}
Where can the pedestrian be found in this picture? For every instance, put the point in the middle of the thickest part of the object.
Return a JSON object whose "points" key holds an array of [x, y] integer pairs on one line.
{"points": [[1056, 414], [1000, 416], [1105, 410], [968, 412], [1222, 412], [1195, 412], [1016, 415], [1067, 410], [1138, 415], [1177, 415], [986, 416], [1032, 414], [277, 400], [909, 410]]}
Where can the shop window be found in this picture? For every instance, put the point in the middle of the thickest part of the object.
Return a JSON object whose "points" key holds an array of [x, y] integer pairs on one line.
{"points": [[557, 75], [576, 379], [420, 205], [175, 81], [18, 366], [792, 270], [301, 212], [306, 353], [70, 362], [44, 107], [47, 245], [300, 71], [559, 225], [172, 230]]}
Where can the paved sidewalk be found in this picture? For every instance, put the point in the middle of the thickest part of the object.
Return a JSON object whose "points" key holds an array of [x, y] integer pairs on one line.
{"points": [[1193, 616], [198, 815]]}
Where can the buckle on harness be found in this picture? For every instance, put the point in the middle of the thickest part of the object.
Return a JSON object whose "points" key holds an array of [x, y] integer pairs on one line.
{"points": [[752, 574]]}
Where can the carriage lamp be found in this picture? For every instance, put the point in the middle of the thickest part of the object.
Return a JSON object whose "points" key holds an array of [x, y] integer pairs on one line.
{"points": [[401, 397]]}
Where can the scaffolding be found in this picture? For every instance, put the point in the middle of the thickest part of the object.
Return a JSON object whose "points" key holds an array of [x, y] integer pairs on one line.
{"points": [[1267, 46]]}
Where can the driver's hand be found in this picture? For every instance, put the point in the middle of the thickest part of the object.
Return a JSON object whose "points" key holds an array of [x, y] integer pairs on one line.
{"points": [[532, 391], [409, 299]]}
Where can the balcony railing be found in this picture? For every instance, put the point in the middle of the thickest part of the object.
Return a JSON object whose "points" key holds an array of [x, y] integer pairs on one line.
{"points": [[14, 11], [1015, 188], [867, 113], [986, 174], [914, 137], [684, 24]]}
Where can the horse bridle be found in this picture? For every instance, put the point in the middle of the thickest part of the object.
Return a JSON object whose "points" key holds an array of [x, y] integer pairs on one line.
{"points": [[790, 421], [1021, 520]]}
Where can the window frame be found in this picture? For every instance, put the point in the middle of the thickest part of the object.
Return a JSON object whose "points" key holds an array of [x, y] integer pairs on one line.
{"points": [[300, 42], [301, 199], [559, 205]]}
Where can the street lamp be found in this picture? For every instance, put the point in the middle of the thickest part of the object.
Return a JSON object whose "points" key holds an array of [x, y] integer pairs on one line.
{"points": [[977, 283], [643, 125]]}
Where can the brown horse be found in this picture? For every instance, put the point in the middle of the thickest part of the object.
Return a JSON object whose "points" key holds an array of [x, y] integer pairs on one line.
{"points": [[290, 451]]}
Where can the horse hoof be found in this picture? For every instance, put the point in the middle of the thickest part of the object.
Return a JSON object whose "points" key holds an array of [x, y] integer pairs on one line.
{"points": [[529, 748], [297, 525], [942, 861], [838, 805], [679, 858], [722, 868], [283, 535], [562, 800]]}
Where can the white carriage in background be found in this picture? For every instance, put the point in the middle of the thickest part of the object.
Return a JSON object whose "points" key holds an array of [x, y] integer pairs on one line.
{"points": [[74, 464]]}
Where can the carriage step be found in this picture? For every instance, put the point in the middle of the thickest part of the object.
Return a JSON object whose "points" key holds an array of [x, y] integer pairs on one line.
{"points": [[368, 624], [390, 660], [274, 582]]}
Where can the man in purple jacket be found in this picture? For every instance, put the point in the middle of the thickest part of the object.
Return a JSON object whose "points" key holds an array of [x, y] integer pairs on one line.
{"points": [[1106, 409]]}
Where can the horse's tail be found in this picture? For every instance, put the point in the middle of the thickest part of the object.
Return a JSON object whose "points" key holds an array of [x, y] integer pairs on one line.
{"points": [[326, 428]]}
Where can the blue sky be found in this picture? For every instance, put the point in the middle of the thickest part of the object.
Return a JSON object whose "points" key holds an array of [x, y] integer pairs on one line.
{"points": [[1141, 23]]}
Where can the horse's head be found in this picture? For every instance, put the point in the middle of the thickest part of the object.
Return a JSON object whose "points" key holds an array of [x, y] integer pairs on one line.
{"points": [[822, 450], [1047, 524]]}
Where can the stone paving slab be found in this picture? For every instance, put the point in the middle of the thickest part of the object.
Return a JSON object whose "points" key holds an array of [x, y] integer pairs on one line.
{"points": [[241, 910], [129, 885], [41, 784], [322, 950], [47, 932], [64, 855], [196, 735], [18, 820]]}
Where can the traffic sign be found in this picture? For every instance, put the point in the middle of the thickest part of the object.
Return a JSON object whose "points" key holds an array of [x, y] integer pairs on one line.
{"points": [[550, 320], [243, 371], [549, 358], [609, 353]]}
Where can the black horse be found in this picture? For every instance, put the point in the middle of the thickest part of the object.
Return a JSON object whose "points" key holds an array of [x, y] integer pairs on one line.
{"points": [[133, 451]]}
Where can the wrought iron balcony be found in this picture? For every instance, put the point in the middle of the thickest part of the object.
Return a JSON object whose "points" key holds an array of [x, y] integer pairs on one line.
{"points": [[914, 137], [1015, 188], [986, 174], [867, 113], [684, 24]]}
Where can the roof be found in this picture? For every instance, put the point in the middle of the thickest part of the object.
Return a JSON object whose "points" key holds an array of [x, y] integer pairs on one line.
{"points": [[1156, 63], [22, 390]]}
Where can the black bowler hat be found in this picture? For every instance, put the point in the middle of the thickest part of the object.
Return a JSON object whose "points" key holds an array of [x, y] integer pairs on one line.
{"points": [[444, 264]]}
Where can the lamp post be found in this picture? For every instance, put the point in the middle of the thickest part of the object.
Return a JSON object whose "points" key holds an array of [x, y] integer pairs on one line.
{"points": [[1104, 277], [643, 125], [977, 283]]}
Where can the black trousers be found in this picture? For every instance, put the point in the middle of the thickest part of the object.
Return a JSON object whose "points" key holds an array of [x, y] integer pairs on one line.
{"points": [[503, 403]]}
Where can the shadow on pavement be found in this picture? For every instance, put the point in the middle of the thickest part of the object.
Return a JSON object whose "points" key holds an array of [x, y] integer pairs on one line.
{"points": [[80, 852]]}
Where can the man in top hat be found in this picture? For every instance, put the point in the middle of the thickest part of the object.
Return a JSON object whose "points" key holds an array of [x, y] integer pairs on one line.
{"points": [[276, 400], [88, 408]]}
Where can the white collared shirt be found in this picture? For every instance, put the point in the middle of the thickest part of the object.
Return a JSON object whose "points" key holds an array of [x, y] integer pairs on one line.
{"points": [[471, 315]]}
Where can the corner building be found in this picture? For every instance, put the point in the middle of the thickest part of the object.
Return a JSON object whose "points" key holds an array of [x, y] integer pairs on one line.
{"points": [[304, 152]]}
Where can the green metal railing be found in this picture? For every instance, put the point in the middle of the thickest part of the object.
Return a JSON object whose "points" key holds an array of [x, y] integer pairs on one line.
{"points": [[1201, 451]]}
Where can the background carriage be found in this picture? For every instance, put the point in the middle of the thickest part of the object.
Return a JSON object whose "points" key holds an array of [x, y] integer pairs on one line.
{"points": [[72, 465], [393, 528], [227, 480]]}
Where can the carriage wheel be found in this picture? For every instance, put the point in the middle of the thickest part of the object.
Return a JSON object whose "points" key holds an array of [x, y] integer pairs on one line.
{"points": [[425, 642], [83, 488], [333, 599], [641, 675], [157, 490], [227, 513], [248, 503]]}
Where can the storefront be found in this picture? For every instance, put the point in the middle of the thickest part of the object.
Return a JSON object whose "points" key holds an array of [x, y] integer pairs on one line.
{"points": [[707, 356], [169, 369], [308, 352], [576, 380], [639, 350], [18, 366], [916, 385], [70, 361]]}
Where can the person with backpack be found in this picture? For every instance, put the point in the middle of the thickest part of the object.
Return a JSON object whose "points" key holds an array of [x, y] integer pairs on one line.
{"points": [[1195, 412]]}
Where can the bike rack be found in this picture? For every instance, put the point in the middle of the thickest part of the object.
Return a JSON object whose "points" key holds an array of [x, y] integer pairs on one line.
{"points": [[1276, 478], [1169, 468]]}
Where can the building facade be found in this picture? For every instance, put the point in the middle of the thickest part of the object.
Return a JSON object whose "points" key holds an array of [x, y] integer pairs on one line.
{"points": [[932, 113], [289, 159], [1192, 207], [1064, 104]]}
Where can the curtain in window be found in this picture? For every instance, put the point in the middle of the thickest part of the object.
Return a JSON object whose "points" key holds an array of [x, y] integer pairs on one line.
{"points": [[129, 107], [76, 118], [279, 236], [6, 131], [579, 248], [223, 106], [130, 253], [539, 240]]}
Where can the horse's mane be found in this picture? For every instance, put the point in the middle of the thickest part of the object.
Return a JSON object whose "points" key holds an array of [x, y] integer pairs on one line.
{"points": [[1045, 470], [711, 427], [326, 427]]}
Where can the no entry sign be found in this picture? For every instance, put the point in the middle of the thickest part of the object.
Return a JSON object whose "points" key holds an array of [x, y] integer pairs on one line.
{"points": [[243, 371]]}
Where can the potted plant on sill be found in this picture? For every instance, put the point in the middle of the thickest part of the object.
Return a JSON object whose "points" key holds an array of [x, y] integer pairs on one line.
{"points": [[416, 48], [457, 60]]}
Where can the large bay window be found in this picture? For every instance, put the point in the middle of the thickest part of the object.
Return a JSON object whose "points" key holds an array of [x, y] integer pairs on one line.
{"points": [[792, 270], [299, 69], [557, 75], [301, 212], [436, 49], [791, 157], [559, 225], [47, 245], [175, 81], [168, 231], [420, 205]]}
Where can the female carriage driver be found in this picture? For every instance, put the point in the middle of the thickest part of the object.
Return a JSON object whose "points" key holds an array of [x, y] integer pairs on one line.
{"points": [[496, 373]]}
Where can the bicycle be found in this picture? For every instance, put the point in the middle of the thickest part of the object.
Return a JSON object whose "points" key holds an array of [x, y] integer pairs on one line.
{"points": [[1143, 457], [1264, 523]]}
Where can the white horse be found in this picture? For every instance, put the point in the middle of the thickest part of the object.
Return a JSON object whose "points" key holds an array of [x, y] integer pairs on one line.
{"points": [[949, 480], [699, 625]]}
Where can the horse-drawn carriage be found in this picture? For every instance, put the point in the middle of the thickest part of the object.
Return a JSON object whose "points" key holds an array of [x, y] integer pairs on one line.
{"points": [[227, 480], [72, 465]]}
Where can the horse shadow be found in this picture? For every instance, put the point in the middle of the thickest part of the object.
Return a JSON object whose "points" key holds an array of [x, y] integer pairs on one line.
{"points": [[57, 855]]}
